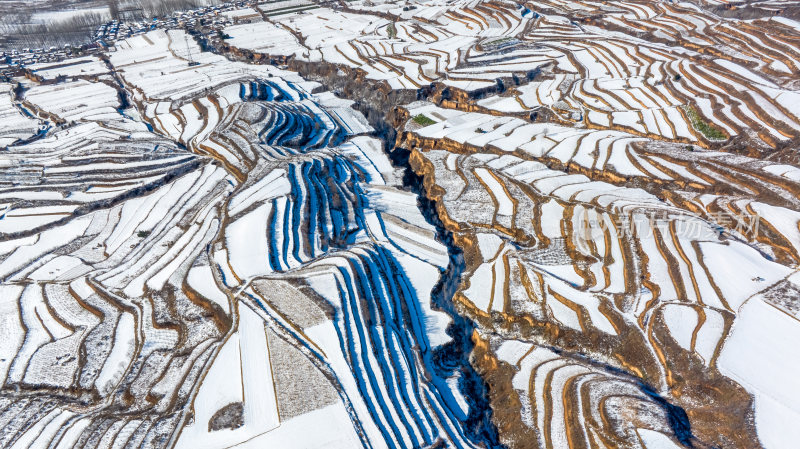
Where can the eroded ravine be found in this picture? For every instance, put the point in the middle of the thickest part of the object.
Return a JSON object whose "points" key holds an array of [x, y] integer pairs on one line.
{"points": [[384, 110]]}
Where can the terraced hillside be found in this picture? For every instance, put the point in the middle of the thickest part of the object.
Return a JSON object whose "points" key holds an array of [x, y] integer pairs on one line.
{"points": [[650, 69], [205, 264], [425, 224], [620, 178]]}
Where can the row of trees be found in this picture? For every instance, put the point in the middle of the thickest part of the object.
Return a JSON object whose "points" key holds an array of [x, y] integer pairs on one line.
{"points": [[142, 9], [20, 31]]}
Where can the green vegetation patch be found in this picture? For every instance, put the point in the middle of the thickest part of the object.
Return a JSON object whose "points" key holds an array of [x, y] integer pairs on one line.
{"points": [[498, 41], [423, 120], [391, 30], [708, 130]]}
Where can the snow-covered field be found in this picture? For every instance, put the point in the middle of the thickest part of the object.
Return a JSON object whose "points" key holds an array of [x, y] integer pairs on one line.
{"points": [[198, 251], [593, 75], [140, 240]]}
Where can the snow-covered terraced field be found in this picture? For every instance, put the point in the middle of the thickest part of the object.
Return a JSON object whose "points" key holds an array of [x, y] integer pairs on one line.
{"points": [[205, 249], [576, 159], [213, 264], [643, 67], [76, 67], [593, 261], [650, 283]]}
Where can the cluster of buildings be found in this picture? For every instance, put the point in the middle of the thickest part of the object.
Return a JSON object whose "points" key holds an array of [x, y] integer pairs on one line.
{"points": [[205, 19]]}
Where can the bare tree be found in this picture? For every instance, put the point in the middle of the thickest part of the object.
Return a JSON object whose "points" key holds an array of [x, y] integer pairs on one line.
{"points": [[113, 9]]}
